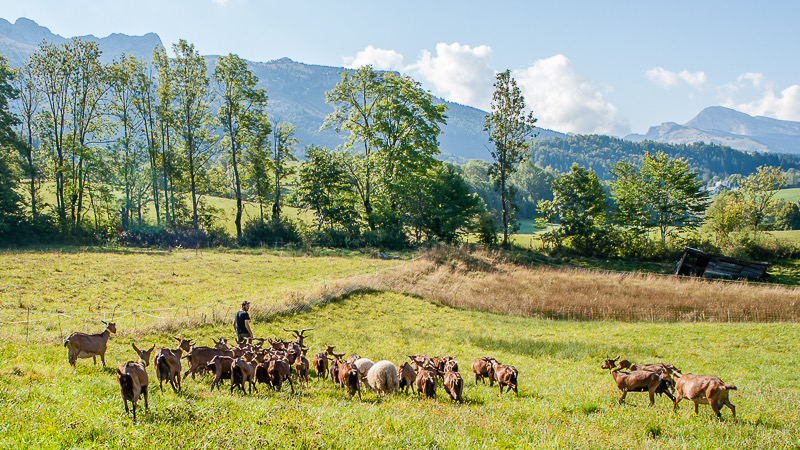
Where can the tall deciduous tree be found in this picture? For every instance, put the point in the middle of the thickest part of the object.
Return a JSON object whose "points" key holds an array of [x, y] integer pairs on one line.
{"points": [[28, 106], [283, 142], [663, 193], [510, 130], [241, 110], [759, 194], [192, 103], [393, 127], [580, 206], [325, 189], [10, 200]]}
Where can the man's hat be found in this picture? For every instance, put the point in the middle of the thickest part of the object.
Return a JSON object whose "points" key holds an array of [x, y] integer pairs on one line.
{"points": [[245, 302]]}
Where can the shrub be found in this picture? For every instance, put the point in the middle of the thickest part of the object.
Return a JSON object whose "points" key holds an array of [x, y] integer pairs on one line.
{"points": [[270, 233]]}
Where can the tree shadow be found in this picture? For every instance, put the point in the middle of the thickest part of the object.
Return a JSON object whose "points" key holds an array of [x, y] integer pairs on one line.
{"points": [[570, 350]]}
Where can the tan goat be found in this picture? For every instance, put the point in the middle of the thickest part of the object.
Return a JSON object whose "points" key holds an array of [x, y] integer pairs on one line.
{"points": [[426, 382], [637, 381], [144, 355], [242, 372], [222, 367], [482, 367], [706, 390], [82, 345], [506, 377], [133, 381]]}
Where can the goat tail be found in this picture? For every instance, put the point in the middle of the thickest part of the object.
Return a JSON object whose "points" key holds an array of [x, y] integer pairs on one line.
{"points": [[126, 384], [731, 387]]}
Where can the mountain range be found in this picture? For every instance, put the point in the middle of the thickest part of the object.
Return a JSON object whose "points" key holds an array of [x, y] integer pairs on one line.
{"points": [[297, 94]]}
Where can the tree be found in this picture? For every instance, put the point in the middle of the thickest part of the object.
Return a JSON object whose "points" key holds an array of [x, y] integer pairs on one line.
{"points": [[283, 143], [442, 207], [325, 189], [663, 193], [725, 215], [759, 194], [10, 200], [510, 131], [192, 103], [241, 110], [788, 217], [258, 163], [123, 74], [580, 206], [394, 124], [28, 106]]}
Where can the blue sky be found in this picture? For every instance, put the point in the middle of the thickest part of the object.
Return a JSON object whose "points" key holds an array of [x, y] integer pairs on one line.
{"points": [[583, 66]]}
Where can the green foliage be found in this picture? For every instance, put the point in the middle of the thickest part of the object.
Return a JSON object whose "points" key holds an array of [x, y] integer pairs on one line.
{"points": [[725, 215], [272, 233], [758, 193], [510, 131], [663, 193], [580, 206], [600, 153], [788, 217], [282, 153], [240, 113], [440, 206], [393, 127], [325, 189]]}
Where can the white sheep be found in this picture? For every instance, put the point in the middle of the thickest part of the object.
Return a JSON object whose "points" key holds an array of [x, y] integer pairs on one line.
{"points": [[382, 377], [363, 365]]}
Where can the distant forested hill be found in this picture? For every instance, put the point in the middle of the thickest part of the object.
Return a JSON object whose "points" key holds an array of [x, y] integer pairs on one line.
{"points": [[601, 152]]}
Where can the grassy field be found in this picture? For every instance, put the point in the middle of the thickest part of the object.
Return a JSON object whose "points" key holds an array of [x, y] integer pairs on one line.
{"points": [[790, 194], [565, 399]]}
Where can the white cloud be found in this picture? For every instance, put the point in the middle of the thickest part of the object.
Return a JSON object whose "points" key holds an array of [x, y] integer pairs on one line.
{"points": [[566, 102], [458, 73], [668, 79], [784, 105], [379, 58]]}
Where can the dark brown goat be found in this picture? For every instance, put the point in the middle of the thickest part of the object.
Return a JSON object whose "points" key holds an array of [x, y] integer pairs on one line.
{"points": [[133, 381], [221, 367], [426, 382], [279, 372], [406, 375], [168, 364]]}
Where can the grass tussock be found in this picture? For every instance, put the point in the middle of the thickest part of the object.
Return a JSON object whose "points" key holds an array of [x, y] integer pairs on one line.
{"points": [[487, 281]]}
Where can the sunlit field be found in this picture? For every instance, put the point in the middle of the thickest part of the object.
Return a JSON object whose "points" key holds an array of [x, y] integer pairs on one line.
{"points": [[358, 304]]}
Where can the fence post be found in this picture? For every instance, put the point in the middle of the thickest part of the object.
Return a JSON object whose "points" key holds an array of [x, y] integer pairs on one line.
{"points": [[27, 324], [729, 315]]}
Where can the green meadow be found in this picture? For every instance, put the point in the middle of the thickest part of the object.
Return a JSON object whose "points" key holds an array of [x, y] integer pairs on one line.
{"points": [[565, 399]]}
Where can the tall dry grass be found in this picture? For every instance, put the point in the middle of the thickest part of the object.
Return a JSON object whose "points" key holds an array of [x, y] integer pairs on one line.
{"points": [[486, 281]]}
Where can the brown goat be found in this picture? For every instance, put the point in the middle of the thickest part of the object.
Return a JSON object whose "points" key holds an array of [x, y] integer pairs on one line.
{"points": [[168, 364], [279, 371], [483, 368], [350, 378], [453, 385], [199, 357], [144, 355], [667, 386], [242, 372], [426, 382], [301, 365], [406, 375], [133, 381], [320, 364], [353, 358], [506, 377], [222, 367], [82, 345], [706, 390], [637, 381]]}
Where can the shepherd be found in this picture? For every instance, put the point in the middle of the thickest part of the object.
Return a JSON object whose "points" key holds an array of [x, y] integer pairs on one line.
{"points": [[241, 323]]}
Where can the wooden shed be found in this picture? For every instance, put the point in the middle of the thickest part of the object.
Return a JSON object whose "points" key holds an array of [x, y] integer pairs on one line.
{"points": [[701, 264]]}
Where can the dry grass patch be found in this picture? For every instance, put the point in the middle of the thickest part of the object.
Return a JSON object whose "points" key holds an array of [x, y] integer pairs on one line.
{"points": [[486, 281]]}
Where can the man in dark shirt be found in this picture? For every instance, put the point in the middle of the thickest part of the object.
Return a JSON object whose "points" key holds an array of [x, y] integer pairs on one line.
{"points": [[241, 323]]}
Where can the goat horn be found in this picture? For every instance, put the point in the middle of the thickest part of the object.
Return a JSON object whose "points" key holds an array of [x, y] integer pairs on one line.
{"points": [[134, 347], [306, 329]]}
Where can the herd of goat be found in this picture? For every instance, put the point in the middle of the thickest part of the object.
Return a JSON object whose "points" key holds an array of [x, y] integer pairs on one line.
{"points": [[252, 362]]}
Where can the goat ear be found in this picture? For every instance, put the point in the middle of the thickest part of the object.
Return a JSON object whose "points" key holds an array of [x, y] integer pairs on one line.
{"points": [[134, 347], [104, 322], [152, 348]]}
